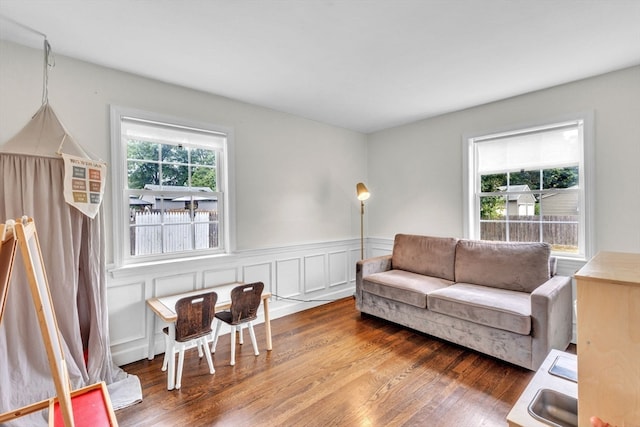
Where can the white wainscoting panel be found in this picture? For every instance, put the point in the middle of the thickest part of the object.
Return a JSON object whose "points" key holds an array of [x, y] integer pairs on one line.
{"points": [[216, 277], [288, 277], [127, 312], [380, 247], [568, 267], [175, 284], [314, 273], [258, 273], [354, 257], [338, 268]]}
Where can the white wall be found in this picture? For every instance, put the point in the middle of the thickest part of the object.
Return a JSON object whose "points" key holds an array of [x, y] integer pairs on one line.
{"points": [[415, 171]]}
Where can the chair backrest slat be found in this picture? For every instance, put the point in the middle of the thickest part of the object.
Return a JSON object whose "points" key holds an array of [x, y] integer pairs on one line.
{"points": [[195, 315], [245, 300]]}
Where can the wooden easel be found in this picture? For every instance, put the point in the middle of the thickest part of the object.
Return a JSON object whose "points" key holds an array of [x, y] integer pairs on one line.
{"points": [[88, 406]]}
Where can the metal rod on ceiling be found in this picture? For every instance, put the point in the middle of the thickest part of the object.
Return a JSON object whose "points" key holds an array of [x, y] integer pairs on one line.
{"points": [[49, 59]]}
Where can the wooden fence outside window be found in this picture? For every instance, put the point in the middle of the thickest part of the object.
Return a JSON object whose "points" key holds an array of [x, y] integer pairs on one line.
{"points": [[561, 231], [153, 232]]}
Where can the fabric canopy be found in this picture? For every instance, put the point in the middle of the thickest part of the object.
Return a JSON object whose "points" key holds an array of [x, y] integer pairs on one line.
{"points": [[44, 136], [73, 253]]}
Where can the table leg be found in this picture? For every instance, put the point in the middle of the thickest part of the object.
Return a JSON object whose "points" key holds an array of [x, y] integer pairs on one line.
{"points": [[151, 332], [171, 370], [267, 323]]}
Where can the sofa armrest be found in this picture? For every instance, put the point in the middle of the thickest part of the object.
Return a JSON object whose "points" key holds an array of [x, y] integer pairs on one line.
{"points": [[551, 318], [369, 266]]}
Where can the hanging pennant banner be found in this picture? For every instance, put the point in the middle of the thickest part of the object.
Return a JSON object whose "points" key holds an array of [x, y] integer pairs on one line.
{"points": [[84, 181]]}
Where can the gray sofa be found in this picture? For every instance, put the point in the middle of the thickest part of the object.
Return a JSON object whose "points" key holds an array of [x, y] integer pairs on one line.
{"points": [[501, 299]]}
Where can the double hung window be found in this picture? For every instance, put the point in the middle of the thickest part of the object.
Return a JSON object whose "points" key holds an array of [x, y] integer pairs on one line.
{"points": [[530, 185], [172, 184]]}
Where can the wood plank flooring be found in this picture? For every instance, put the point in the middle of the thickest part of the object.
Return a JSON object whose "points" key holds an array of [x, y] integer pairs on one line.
{"points": [[330, 366]]}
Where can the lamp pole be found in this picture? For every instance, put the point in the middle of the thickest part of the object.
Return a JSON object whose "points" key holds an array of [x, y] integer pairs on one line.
{"points": [[363, 194], [361, 229]]}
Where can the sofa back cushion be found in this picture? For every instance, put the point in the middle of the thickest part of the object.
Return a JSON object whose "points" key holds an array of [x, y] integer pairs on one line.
{"points": [[506, 265], [430, 256]]}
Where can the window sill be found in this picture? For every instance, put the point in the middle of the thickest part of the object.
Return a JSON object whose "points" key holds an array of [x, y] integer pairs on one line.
{"points": [[171, 265], [565, 258]]}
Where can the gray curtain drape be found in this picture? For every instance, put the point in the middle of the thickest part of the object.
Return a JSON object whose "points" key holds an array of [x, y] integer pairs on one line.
{"points": [[72, 247]]}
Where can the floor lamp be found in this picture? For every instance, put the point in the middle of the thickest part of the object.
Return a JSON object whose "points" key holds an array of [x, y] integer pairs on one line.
{"points": [[363, 194]]}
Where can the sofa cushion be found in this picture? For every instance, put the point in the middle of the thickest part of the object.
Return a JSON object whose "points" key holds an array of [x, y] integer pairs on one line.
{"points": [[506, 265], [426, 255], [403, 286], [497, 308]]}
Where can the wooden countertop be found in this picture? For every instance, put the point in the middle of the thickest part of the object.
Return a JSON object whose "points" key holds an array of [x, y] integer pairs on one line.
{"points": [[613, 267]]}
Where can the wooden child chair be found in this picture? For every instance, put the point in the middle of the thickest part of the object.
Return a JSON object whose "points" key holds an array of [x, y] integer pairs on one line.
{"points": [[193, 326], [245, 300]]}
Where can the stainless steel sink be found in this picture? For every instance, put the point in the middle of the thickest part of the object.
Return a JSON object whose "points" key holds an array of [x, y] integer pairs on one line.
{"points": [[554, 408]]}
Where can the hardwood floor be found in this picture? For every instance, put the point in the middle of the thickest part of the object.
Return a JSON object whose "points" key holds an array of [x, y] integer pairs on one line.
{"points": [[330, 366]]}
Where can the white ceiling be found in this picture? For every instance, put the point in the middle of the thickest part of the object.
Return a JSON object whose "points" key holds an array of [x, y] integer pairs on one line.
{"points": [[364, 65]]}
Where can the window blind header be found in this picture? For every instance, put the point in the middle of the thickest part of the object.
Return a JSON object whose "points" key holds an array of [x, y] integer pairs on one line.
{"points": [[164, 133], [547, 148]]}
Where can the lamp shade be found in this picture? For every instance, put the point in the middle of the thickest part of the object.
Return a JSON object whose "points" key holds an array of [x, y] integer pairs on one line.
{"points": [[361, 190]]}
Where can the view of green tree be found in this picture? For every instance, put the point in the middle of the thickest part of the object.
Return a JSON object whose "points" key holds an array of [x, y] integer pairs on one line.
{"points": [[175, 175], [142, 173], [201, 156], [166, 164], [204, 177], [174, 154], [142, 150], [492, 206], [560, 178]]}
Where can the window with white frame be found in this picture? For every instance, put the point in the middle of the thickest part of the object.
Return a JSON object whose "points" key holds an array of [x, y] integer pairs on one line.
{"points": [[171, 187], [531, 185]]}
